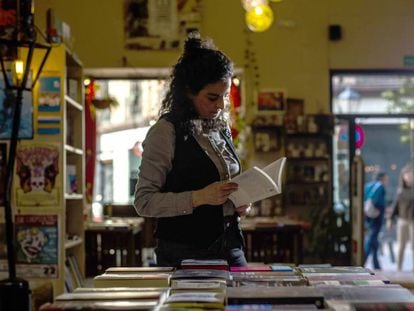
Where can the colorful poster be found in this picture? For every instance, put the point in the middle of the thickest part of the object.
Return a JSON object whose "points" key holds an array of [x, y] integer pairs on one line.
{"points": [[49, 94], [37, 170], [159, 25], [7, 103], [37, 245]]}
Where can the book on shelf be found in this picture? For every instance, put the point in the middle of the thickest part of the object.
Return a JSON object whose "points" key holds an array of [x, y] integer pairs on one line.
{"points": [[139, 269], [275, 295], [132, 280], [256, 184], [200, 274], [75, 271], [68, 279], [215, 264]]}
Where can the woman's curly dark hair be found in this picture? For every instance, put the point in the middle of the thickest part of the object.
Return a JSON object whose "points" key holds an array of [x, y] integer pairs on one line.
{"points": [[200, 64]]}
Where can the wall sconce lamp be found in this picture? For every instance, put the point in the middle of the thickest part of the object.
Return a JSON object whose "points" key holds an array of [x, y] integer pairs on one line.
{"points": [[15, 292]]}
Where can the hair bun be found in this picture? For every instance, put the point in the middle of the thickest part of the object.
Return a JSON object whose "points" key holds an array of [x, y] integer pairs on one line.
{"points": [[194, 43]]}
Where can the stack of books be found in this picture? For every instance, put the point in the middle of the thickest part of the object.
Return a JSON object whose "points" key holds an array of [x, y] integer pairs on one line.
{"points": [[213, 285]]}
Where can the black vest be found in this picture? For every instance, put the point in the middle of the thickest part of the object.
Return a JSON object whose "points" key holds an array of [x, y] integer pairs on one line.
{"points": [[192, 169]]}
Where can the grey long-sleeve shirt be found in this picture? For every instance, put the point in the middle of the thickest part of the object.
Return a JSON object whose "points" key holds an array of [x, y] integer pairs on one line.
{"points": [[157, 158]]}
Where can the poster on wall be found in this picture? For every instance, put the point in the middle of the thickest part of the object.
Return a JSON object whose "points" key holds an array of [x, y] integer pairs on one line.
{"points": [[37, 170], [49, 94], [36, 239], [271, 100], [159, 25], [48, 106], [7, 102]]}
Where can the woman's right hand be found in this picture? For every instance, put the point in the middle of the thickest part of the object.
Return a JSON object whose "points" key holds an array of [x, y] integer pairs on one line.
{"points": [[214, 194]]}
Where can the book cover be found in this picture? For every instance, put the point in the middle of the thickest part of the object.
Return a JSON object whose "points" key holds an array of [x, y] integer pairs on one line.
{"points": [[101, 305], [186, 285], [119, 295], [250, 268], [377, 283], [367, 293], [347, 277], [139, 269], [200, 274], [340, 305], [264, 274], [270, 307], [256, 184], [269, 282], [132, 280], [37, 245], [216, 264], [336, 270], [196, 299], [277, 295]]}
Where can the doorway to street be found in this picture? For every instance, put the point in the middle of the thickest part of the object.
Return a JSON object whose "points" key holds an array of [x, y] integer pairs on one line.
{"points": [[373, 133]]}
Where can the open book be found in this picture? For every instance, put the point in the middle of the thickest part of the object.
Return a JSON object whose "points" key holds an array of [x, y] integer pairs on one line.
{"points": [[256, 184]]}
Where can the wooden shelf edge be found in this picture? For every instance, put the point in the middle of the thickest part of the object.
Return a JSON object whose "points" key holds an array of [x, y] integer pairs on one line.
{"points": [[72, 149], [72, 243], [74, 103], [73, 196]]}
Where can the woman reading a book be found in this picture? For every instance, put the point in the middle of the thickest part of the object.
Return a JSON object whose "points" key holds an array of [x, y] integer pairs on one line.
{"points": [[188, 160]]}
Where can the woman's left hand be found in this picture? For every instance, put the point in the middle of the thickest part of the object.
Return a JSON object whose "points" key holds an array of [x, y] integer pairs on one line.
{"points": [[243, 210]]}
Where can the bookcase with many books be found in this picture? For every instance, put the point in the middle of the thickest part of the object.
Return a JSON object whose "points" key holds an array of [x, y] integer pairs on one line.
{"points": [[48, 190]]}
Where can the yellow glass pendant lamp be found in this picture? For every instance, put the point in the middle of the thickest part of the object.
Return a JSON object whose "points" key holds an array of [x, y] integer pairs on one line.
{"points": [[259, 18], [250, 4]]}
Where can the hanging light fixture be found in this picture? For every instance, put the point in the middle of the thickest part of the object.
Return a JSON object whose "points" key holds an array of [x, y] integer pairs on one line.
{"points": [[259, 18], [19, 39], [250, 4]]}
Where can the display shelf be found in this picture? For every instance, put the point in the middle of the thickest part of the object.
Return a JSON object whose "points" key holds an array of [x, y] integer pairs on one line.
{"points": [[73, 243]]}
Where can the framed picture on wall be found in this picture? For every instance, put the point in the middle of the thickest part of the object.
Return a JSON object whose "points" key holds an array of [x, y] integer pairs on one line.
{"points": [[159, 25], [295, 106], [271, 100]]}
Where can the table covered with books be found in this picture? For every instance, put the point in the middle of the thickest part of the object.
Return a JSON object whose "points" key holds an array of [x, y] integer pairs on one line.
{"points": [[273, 239], [213, 285], [115, 241]]}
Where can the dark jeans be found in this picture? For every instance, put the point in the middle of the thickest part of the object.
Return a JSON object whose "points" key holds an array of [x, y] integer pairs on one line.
{"points": [[371, 242], [228, 247]]}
